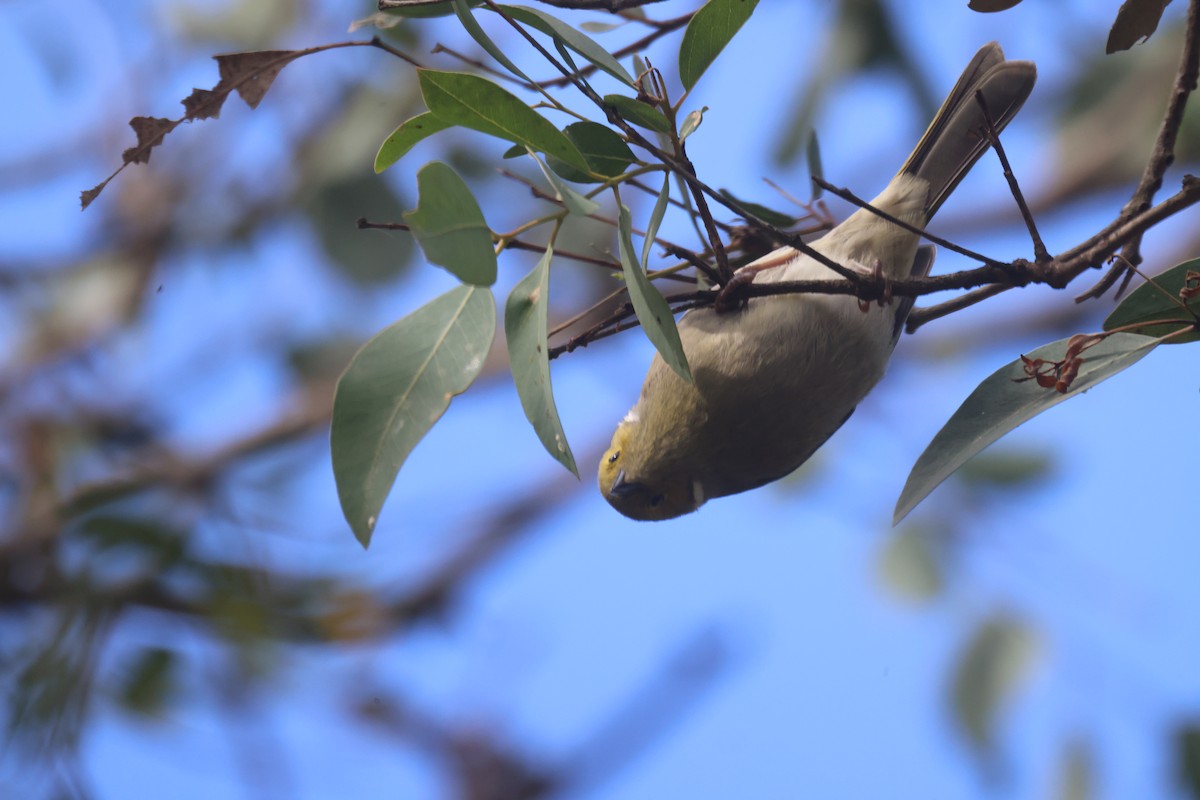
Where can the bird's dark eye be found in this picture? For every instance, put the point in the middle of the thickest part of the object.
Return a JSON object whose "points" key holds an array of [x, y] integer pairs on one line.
{"points": [[656, 501], [613, 458]]}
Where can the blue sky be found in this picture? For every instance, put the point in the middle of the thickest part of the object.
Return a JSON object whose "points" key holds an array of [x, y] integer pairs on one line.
{"points": [[831, 684]]}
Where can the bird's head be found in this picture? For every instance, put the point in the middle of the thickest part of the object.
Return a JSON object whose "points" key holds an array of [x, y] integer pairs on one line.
{"points": [[640, 485]]}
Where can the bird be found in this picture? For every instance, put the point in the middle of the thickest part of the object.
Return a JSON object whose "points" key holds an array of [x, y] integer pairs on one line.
{"points": [[772, 382]]}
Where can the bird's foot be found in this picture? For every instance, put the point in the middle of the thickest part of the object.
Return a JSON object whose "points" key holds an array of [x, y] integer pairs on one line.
{"points": [[879, 279], [728, 298]]}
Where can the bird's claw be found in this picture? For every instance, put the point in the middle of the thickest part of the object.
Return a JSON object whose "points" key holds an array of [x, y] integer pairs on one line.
{"points": [[728, 298], [879, 279]]}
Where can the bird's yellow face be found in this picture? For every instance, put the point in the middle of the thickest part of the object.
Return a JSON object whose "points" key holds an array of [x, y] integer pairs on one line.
{"points": [[635, 486]]}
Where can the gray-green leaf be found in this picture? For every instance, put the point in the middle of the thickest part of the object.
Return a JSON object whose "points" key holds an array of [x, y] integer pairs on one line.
{"points": [[396, 387], [575, 202], [1000, 404], [474, 102], [652, 310], [1156, 301], [710, 30], [576, 40], [641, 114], [471, 25], [605, 151], [450, 227], [405, 137], [525, 330], [995, 661]]}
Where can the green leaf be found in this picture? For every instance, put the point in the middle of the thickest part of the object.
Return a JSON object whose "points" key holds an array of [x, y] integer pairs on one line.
{"points": [[652, 310], [477, 33], [575, 202], [1156, 301], [1136, 20], [641, 114], [710, 30], [767, 215], [1187, 758], [1000, 404], [910, 565], [525, 330], [149, 681], [450, 227], [569, 37], [815, 170], [656, 218], [425, 10], [474, 102], [405, 137], [605, 151], [994, 662], [396, 387]]}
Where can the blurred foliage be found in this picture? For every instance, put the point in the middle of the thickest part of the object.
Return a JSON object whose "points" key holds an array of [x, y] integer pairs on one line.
{"points": [[990, 668], [143, 514]]}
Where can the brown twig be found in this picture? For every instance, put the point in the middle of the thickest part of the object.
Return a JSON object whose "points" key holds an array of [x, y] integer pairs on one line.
{"points": [[1040, 254], [1161, 158], [850, 197]]}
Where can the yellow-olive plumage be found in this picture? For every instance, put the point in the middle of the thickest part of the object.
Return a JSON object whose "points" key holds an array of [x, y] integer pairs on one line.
{"points": [[773, 381]]}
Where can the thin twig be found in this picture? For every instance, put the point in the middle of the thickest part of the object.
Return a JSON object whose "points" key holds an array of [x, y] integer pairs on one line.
{"points": [[1040, 253], [1161, 157], [850, 197], [919, 316]]}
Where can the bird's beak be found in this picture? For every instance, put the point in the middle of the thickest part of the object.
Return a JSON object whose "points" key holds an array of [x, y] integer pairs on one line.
{"points": [[623, 488]]}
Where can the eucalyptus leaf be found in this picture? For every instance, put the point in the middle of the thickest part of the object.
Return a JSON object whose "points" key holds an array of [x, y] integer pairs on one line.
{"points": [[1160, 300], [995, 661], [525, 315], [471, 25], [652, 310], [767, 215], [575, 202], [641, 114], [405, 137], [656, 218], [459, 98], [606, 153], [1001, 403], [396, 387], [450, 228], [570, 37], [707, 33], [1136, 21]]}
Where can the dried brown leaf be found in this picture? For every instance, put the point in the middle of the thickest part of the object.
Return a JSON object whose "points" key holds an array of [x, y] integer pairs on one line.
{"points": [[150, 132], [204, 104], [86, 197], [251, 74], [1136, 20]]}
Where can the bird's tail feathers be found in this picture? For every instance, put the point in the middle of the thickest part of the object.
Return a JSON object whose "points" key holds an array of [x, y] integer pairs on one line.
{"points": [[957, 137]]}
